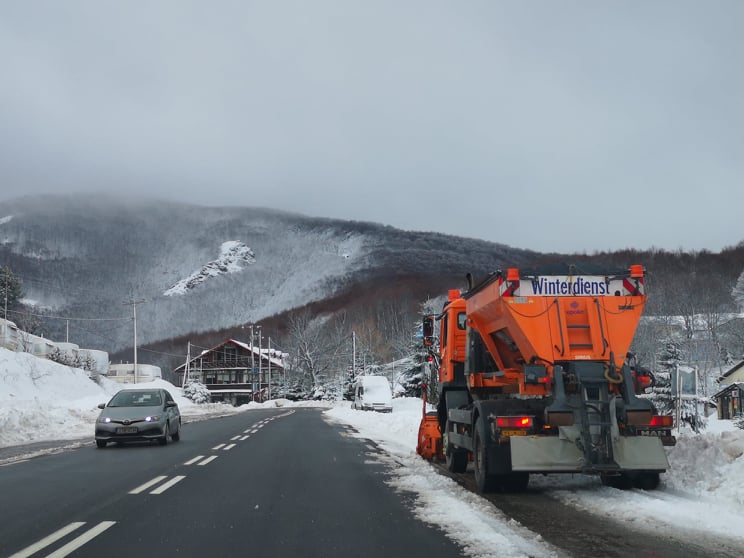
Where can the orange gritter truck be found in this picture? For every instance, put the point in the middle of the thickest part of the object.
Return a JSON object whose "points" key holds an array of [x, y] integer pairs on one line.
{"points": [[535, 376]]}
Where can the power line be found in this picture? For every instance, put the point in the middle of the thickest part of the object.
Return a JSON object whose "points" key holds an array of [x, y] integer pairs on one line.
{"points": [[161, 353], [69, 317]]}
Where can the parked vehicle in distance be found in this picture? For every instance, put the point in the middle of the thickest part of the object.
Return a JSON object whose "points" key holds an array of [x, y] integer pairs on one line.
{"points": [[137, 415], [372, 393]]}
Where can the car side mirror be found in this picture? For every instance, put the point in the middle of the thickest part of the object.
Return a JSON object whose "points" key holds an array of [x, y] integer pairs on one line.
{"points": [[171, 404], [102, 405]]}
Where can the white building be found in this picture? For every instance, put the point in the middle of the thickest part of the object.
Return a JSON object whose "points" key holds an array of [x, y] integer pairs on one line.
{"points": [[124, 373]]}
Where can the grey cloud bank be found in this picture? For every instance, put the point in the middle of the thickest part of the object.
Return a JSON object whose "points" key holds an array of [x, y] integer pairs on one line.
{"points": [[571, 126]]}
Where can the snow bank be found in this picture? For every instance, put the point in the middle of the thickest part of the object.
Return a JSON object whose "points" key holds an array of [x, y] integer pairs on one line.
{"points": [[41, 400]]}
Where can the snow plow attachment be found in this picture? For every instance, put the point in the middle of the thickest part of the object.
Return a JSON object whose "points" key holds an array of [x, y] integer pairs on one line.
{"points": [[429, 444]]}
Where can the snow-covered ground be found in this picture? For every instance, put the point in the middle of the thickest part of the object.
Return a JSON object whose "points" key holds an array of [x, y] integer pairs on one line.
{"points": [[703, 491]]}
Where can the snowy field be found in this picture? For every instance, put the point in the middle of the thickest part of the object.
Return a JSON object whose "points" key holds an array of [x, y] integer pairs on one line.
{"points": [[703, 491]]}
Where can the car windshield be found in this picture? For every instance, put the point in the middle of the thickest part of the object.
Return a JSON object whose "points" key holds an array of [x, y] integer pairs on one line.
{"points": [[136, 399]]}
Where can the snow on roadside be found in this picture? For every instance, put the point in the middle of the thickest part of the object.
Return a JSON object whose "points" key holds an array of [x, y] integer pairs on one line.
{"points": [[480, 529], [43, 401], [703, 491]]}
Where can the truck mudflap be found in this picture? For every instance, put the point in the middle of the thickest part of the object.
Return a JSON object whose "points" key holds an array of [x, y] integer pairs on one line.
{"points": [[543, 454]]}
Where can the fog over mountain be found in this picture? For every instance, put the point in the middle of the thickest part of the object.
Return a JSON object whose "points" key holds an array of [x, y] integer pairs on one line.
{"points": [[84, 260]]}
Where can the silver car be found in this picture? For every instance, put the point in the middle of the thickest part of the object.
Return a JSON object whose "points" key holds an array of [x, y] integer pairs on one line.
{"points": [[136, 415]]}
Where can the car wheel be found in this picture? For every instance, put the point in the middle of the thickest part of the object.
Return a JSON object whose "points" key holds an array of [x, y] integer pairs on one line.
{"points": [[177, 434], [101, 443], [164, 440]]}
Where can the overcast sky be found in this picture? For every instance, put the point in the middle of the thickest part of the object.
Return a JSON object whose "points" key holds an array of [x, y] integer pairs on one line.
{"points": [[551, 125]]}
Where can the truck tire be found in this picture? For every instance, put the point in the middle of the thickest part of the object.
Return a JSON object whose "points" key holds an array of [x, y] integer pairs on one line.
{"points": [[647, 481], [622, 481], [456, 458], [483, 481], [516, 482]]}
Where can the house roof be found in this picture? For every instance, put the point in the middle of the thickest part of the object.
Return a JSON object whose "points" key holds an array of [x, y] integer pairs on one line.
{"points": [[731, 370], [275, 357], [728, 388]]}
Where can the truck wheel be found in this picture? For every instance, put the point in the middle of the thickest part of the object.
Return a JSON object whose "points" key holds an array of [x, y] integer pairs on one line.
{"points": [[516, 482], [621, 481], [483, 481], [456, 458], [647, 481]]}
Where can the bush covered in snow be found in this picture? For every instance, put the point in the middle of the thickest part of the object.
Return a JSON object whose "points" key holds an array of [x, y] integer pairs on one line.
{"points": [[197, 392]]}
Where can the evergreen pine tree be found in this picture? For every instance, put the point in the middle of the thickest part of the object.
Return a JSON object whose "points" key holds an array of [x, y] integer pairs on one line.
{"points": [[11, 290]]}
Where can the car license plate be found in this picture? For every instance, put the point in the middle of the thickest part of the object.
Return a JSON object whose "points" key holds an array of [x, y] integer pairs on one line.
{"points": [[513, 432], [127, 430]]}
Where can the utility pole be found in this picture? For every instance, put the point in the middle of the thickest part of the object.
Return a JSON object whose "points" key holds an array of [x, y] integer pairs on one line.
{"points": [[6, 295], [134, 304], [253, 366], [260, 357], [353, 355], [269, 373], [187, 368]]}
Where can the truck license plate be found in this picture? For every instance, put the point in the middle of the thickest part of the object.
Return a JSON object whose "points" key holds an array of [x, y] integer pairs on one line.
{"points": [[513, 433]]}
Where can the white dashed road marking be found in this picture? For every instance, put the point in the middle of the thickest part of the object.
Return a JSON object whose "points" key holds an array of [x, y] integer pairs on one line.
{"points": [[89, 535], [165, 486], [71, 546], [46, 541], [147, 485]]}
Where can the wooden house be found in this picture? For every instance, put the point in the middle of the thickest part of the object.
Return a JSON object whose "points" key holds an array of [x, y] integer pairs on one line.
{"points": [[235, 372]]}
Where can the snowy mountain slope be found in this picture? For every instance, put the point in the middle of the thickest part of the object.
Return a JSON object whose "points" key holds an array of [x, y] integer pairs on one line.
{"points": [[88, 256], [233, 257]]}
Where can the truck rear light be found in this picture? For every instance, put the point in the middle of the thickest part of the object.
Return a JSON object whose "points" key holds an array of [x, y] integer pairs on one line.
{"points": [[514, 422], [661, 421]]}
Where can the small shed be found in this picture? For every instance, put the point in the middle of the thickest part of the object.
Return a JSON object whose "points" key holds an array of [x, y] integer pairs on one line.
{"points": [[730, 399]]}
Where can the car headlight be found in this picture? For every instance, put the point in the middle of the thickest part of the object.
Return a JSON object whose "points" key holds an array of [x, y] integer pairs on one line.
{"points": [[104, 419], [153, 418]]}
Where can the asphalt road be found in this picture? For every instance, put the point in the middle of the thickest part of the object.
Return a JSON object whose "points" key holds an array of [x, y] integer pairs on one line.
{"points": [[274, 483]]}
